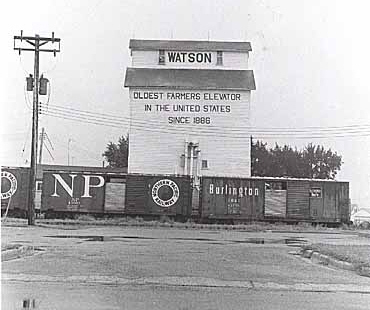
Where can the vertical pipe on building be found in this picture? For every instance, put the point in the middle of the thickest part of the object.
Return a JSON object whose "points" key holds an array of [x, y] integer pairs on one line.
{"points": [[191, 158], [198, 164], [186, 159]]}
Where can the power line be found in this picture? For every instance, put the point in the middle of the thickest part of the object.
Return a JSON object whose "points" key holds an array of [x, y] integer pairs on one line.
{"points": [[77, 118], [361, 131], [82, 114], [290, 134], [89, 154], [26, 99], [177, 131], [312, 130]]}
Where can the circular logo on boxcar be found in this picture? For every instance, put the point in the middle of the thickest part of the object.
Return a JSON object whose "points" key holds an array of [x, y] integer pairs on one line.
{"points": [[8, 184], [165, 193]]}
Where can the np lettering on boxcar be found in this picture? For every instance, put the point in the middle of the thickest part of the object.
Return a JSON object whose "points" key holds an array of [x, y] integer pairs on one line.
{"points": [[69, 188]]}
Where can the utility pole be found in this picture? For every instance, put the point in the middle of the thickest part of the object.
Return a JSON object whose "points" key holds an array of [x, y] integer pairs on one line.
{"points": [[36, 42], [69, 141]]}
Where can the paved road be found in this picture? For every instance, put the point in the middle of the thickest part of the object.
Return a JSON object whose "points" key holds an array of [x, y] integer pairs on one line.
{"points": [[142, 268]]}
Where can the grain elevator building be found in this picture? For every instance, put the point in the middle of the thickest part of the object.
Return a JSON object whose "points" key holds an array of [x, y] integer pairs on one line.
{"points": [[189, 108]]}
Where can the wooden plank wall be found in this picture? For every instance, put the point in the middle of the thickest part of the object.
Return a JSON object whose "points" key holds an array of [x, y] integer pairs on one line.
{"points": [[298, 204], [136, 194], [344, 202], [330, 211], [158, 150]]}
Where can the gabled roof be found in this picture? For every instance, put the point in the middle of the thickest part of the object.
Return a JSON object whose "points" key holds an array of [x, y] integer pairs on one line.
{"points": [[190, 45], [190, 78]]}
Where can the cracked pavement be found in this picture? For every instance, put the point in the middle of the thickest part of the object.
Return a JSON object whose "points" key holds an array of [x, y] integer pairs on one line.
{"points": [[140, 268]]}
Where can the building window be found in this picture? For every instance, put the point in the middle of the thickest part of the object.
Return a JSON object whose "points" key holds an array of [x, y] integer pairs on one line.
{"points": [[204, 164], [315, 192], [219, 58], [162, 58]]}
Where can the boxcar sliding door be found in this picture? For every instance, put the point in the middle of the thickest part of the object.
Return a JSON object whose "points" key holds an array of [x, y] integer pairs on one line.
{"points": [[275, 199], [115, 193]]}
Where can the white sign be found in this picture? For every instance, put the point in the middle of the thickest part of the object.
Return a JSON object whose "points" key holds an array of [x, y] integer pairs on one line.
{"points": [[13, 184], [156, 194], [189, 107]]}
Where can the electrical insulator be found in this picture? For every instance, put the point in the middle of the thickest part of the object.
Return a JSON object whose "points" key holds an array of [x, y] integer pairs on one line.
{"points": [[29, 80], [43, 90]]}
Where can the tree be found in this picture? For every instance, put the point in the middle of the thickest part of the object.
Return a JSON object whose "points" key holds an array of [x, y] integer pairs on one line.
{"points": [[117, 154], [261, 159], [312, 162], [319, 163]]}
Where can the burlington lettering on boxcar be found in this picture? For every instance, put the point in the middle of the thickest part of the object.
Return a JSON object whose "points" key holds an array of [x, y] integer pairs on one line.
{"points": [[230, 190]]}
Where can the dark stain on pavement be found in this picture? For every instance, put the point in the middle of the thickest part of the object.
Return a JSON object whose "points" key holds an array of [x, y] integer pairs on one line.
{"points": [[288, 241], [98, 238], [297, 241]]}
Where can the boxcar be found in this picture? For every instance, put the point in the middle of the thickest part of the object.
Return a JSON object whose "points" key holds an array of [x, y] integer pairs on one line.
{"points": [[14, 190], [274, 199], [321, 201], [156, 195], [98, 193], [102, 191]]}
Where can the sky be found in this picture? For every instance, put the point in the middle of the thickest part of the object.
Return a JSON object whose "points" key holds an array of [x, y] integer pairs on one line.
{"points": [[310, 61]]}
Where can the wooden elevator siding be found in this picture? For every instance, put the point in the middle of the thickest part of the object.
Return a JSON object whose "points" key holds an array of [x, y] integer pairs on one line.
{"points": [[156, 148]]}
